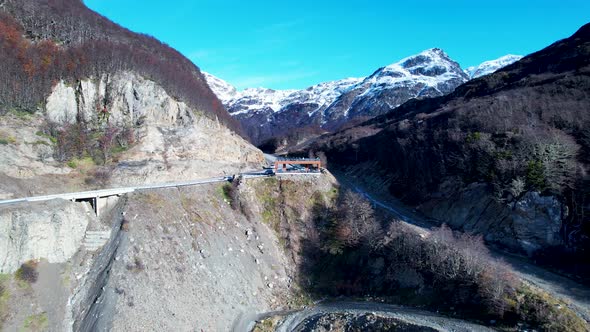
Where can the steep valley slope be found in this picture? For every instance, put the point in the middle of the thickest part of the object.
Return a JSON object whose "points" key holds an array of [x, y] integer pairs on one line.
{"points": [[172, 259], [102, 110], [86, 104], [504, 155]]}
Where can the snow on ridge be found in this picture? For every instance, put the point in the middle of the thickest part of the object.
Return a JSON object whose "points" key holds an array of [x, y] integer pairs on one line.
{"points": [[221, 88], [491, 66], [429, 70]]}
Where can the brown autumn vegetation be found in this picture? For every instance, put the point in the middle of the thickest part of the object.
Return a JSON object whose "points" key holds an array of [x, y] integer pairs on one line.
{"points": [[79, 140], [42, 42], [351, 251]]}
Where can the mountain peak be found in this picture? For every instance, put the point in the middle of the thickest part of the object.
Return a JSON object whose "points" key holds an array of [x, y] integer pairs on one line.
{"points": [[431, 55], [430, 63], [267, 113]]}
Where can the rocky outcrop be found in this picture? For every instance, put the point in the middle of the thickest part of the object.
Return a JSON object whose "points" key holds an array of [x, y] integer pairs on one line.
{"points": [[171, 141], [530, 223], [27, 154], [122, 99], [170, 136], [52, 230]]}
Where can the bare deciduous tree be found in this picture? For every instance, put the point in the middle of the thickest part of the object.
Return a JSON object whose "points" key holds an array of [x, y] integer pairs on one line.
{"points": [[356, 220]]}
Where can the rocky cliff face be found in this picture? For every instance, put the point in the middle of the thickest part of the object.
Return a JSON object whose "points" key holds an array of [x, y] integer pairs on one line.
{"points": [[171, 141], [170, 136], [53, 231], [527, 225]]}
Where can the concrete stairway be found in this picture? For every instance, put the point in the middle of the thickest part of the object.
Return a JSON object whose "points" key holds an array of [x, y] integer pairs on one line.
{"points": [[94, 240]]}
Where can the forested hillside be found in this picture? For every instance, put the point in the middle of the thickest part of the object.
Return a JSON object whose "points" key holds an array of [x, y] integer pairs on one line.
{"points": [[42, 42], [523, 129]]}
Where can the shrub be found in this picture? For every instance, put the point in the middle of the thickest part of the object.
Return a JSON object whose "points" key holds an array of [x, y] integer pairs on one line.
{"points": [[352, 222], [473, 137], [535, 175], [542, 310], [225, 191], [7, 139], [36, 322], [517, 187], [125, 225], [27, 272], [4, 297], [229, 193]]}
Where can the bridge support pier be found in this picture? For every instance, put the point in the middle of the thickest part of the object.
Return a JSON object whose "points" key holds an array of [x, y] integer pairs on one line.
{"points": [[95, 205]]}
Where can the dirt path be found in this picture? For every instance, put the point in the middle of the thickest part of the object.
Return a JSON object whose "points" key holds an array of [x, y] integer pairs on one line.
{"points": [[576, 295], [51, 293]]}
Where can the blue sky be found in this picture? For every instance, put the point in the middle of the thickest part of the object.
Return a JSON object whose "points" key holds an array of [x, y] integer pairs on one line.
{"points": [[290, 44]]}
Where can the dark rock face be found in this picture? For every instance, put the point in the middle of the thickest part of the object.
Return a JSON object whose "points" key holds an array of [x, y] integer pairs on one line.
{"points": [[251, 122], [528, 224], [263, 124]]}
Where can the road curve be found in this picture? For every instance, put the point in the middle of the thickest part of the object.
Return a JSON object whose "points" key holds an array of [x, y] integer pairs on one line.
{"points": [[409, 315], [577, 296]]}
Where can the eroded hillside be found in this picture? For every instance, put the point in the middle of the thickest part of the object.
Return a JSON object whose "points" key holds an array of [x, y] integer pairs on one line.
{"points": [[198, 257]]}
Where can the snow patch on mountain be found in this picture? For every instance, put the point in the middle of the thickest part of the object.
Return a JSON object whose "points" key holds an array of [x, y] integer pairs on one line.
{"points": [[221, 88], [491, 66], [256, 99], [322, 94]]}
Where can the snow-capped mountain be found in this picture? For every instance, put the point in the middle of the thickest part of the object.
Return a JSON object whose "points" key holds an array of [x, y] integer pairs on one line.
{"points": [[428, 74], [491, 66], [266, 113]]}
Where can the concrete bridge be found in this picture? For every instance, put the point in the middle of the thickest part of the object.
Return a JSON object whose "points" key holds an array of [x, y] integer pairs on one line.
{"points": [[94, 196]]}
